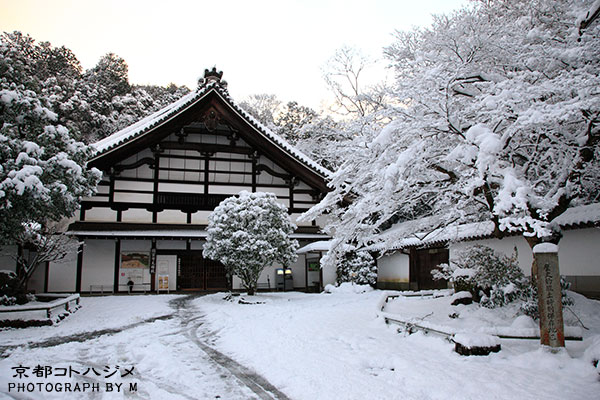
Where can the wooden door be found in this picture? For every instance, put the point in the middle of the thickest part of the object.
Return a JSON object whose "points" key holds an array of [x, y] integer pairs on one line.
{"points": [[215, 277], [423, 262], [190, 274], [199, 273]]}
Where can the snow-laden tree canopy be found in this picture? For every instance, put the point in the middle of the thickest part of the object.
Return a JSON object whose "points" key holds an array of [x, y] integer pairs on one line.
{"points": [[42, 169], [496, 118], [248, 232]]}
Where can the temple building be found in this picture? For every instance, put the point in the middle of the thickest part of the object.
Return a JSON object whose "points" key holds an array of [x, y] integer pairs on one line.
{"points": [[162, 177]]}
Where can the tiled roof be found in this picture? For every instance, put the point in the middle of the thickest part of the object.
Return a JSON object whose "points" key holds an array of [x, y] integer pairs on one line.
{"points": [[160, 117], [397, 238]]}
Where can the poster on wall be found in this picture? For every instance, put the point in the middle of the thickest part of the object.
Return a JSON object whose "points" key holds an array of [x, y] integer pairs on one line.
{"points": [[135, 260], [134, 266], [163, 282]]}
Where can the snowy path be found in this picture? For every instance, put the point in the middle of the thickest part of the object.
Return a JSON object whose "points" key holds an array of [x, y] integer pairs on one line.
{"points": [[170, 360]]}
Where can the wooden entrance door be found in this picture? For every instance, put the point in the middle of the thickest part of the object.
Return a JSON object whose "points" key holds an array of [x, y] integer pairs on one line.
{"points": [[199, 273], [422, 262]]}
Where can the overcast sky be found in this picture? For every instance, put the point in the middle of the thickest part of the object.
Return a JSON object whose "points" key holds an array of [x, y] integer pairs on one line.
{"points": [[266, 46]]}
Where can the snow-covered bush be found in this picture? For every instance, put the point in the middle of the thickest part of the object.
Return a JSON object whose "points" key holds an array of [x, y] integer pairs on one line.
{"points": [[529, 306], [348, 287], [9, 289], [357, 267], [249, 231], [491, 277]]}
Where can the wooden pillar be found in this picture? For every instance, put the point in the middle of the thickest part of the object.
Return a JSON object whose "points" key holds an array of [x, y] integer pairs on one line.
{"points": [[306, 272], [292, 184], [111, 187], [47, 273], [206, 174], [155, 185], [117, 265], [153, 266], [79, 266], [254, 171]]}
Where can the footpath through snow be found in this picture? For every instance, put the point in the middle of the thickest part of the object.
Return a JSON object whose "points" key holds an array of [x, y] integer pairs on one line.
{"points": [[292, 345], [108, 353]]}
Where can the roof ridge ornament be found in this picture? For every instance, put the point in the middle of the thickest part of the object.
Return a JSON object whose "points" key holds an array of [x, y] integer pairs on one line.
{"points": [[211, 76]]}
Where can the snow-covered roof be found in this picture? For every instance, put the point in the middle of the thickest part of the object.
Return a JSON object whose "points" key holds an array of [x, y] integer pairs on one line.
{"points": [[396, 237], [149, 123], [579, 215], [321, 245]]}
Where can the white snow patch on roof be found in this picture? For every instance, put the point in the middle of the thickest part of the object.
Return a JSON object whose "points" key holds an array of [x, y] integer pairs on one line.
{"points": [[175, 108], [321, 245], [407, 234], [579, 215]]}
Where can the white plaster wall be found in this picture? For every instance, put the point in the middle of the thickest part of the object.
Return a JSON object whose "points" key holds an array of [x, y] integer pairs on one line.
{"points": [[133, 185], [170, 244], [329, 275], [98, 263], [393, 268], [200, 217], [172, 217], [298, 273], [180, 188], [136, 245], [100, 214], [227, 190], [135, 215], [37, 280], [579, 252], [133, 197], [63, 274]]}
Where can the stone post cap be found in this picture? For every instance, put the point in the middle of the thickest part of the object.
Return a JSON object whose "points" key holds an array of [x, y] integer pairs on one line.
{"points": [[545, 248]]}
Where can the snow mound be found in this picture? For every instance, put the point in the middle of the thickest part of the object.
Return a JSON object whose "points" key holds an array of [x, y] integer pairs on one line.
{"points": [[545, 248], [461, 295], [470, 340], [592, 353], [348, 287], [524, 322]]}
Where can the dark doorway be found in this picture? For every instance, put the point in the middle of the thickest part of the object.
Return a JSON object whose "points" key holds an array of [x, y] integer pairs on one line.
{"points": [[195, 272], [422, 262]]}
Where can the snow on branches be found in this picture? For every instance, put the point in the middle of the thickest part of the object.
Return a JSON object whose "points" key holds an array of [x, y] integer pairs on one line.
{"points": [[496, 119], [248, 232]]}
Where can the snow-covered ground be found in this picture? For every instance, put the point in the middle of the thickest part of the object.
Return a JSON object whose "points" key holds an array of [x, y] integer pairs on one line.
{"points": [[309, 346], [333, 346]]}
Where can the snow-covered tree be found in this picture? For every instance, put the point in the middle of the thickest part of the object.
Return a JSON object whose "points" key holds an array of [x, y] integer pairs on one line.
{"points": [[357, 267], [42, 169], [248, 232], [496, 119], [344, 75]]}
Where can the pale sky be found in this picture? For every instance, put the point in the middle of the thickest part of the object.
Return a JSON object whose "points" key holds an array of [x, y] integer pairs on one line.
{"points": [[270, 46]]}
